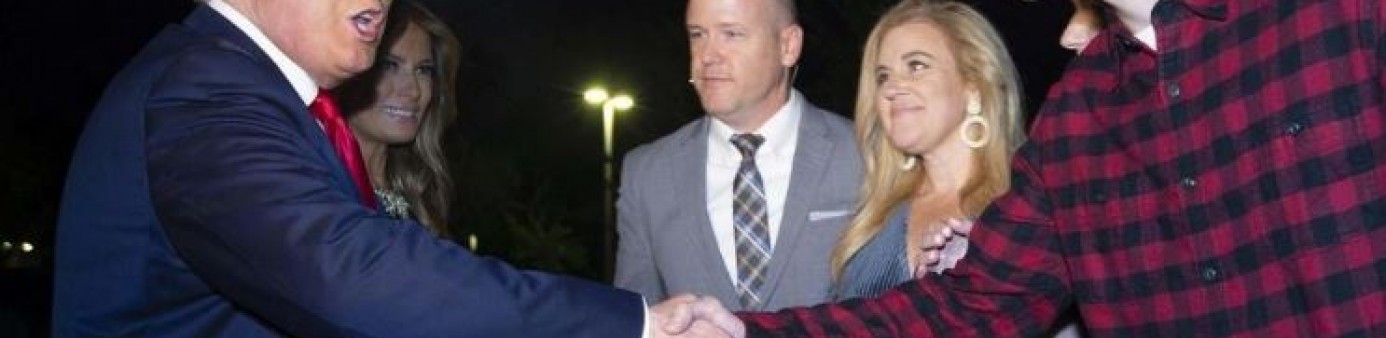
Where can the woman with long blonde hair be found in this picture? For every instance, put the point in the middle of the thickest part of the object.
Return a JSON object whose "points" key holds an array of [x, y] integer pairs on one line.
{"points": [[938, 116]]}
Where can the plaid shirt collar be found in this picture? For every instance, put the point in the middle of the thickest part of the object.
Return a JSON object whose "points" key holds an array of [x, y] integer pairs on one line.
{"points": [[1118, 41]]}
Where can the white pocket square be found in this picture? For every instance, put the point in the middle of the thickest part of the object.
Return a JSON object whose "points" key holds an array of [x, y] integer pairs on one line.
{"points": [[815, 216]]}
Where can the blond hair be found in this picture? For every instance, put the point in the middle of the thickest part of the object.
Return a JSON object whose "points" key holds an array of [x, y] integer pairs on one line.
{"points": [[984, 64]]}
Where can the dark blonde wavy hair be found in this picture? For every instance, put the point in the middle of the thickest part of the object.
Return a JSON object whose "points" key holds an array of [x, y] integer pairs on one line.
{"points": [[983, 63], [417, 169]]}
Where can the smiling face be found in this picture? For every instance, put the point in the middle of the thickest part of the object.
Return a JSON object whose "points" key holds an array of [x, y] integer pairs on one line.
{"points": [[331, 39], [922, 95], [403, 90], [740, 53]]}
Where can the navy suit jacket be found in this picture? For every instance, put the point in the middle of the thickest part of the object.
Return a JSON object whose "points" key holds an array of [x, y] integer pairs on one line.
{"points": [[204, 201]]}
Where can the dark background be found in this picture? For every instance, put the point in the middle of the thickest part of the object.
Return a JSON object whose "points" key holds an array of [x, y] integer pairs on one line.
{"points": [[526, 149]]}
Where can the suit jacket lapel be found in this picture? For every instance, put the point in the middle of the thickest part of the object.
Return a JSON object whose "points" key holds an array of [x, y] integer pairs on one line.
{"points": [[692, 162], [810, 165], [207, 21]]}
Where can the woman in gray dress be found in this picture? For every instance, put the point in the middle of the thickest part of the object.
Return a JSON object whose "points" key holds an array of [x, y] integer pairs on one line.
{"points": [[938, 117]]}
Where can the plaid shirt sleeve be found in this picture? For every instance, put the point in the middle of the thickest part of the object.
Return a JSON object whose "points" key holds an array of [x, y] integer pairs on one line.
{"points": [[1380, 22], [1229, 184], [1012, 283]]}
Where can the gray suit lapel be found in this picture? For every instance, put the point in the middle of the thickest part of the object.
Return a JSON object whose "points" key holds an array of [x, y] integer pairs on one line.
{"points": [[811, 156], [692, 161]]}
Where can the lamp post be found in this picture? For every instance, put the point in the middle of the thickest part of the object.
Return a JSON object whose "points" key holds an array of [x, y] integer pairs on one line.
{"points": [[610, 104]]}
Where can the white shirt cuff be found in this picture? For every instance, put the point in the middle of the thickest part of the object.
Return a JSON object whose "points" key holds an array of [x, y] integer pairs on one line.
{"points": [[645, 329]]}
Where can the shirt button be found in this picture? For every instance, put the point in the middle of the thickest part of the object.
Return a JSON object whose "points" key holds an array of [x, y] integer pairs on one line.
{"points": [[1188, 183], [1294, 129], [1210, 274], [1099, 197], [1173, 90], [1128, 44]]}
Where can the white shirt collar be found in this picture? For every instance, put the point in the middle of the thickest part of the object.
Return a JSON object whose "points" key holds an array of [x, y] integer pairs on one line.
{"points": [[298, 78], [780, 131], [775, 162]]}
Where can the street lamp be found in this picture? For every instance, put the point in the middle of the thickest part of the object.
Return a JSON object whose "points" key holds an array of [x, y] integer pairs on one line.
{"points": [[610, 104]]}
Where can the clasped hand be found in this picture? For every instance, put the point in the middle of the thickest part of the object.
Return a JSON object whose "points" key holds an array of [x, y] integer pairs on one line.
{"points": [[693, 316], [944, 247], [696, 316]]}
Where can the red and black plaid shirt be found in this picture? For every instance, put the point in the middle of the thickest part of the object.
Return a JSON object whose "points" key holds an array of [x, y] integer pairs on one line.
{"points": [[1230, 184]]}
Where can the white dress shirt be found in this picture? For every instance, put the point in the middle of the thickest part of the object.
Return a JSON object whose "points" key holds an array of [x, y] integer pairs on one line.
{"points": [[1147, 36], [298, 78], [774, 160]]}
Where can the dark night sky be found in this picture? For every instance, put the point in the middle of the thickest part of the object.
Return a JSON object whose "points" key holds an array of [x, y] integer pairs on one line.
{"points": [[525, 65]]}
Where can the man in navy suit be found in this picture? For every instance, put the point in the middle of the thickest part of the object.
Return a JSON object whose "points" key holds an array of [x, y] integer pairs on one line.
{"points": [[205, 201]]}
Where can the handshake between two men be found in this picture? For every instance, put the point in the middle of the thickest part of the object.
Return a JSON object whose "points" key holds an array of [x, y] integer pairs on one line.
{"points": [[691, 315]]}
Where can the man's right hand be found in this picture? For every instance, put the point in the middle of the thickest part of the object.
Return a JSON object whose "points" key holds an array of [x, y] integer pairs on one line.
{"points": [[694, 316]]}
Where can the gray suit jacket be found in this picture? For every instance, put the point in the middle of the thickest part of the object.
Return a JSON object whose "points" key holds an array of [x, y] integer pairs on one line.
{"points": [[667, 246]]}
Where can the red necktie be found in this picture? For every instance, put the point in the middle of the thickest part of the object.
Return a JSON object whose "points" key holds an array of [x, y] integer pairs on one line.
{"points": [[325, 108]]}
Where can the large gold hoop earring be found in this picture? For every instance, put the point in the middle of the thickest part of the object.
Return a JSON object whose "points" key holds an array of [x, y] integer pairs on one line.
{"points": [[974, 118]]}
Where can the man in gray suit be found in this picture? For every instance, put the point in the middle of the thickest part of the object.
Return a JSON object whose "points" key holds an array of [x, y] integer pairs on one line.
{"points": [[746, 203]]}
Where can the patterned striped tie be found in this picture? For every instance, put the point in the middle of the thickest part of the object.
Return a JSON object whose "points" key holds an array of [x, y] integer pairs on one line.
{"points": [[752, 223]]}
